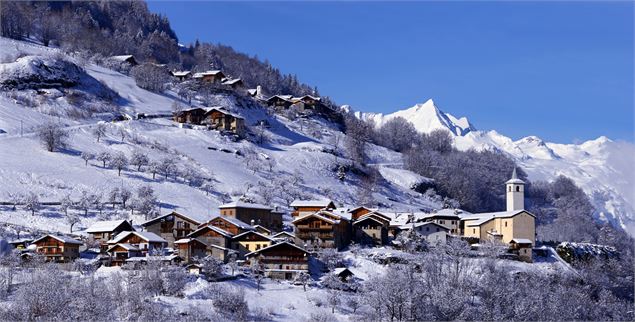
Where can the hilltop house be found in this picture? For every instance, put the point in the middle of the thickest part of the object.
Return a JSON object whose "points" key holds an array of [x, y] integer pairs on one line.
{"points": [[280, 261], [305, 207], [504, 226], [126, 59], [57, 248], [235, 83], [171, 227], [280, 101], [215, 118], [323, 229], [103, 231], [210, 76], [253, 213], [250, 241]]}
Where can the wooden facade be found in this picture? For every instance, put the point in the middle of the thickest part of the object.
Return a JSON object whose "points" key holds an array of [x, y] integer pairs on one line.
{"points": [[281, 261], [323, 229], [371, 229], [250, 241], [57, 248], [252, 214], [212, 235], [210, 76], [228, 224], [171, 227], [103, 231], [192, 116], [305, 207]]}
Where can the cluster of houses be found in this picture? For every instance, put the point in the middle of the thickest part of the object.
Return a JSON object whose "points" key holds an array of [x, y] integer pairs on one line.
{"points": [[252, 233]]}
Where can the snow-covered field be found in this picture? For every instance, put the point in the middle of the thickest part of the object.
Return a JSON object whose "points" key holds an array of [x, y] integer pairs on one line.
{"points": [[296, 151]]}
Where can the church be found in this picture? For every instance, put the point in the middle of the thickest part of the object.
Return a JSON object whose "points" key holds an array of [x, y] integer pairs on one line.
{"points": [[515, 226]]}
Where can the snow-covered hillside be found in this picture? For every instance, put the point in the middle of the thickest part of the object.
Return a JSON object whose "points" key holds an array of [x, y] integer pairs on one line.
{"points": [[602, 167], [297, 156]]}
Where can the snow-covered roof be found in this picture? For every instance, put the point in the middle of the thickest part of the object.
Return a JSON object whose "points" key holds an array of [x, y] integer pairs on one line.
{"points": [[63, 239], [515, 179], [122, 57], [125, 246], [262, 227], [174, 213], [277, 235], [323, 203], [181, 73], [521, 241], [214, 228], [146, 258], [481, 218], [145, 235], [315, 98], [339, 270], [105, 226], [273, 246], [207, 73], [421, 224], [231, 81], [364, 218], [239, 223], [252, 91], [329, 217], [251, 232], [242, 204]]}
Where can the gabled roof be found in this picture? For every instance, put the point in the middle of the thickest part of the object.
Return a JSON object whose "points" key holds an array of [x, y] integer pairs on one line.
{"points": [[188, 240], [274, 246], [232, 81], [281, 97], [236, 222], [122, 57], [242, 204], [341, 270], [63, 239], [521, 241], [214, 228], [252, 232], [479, 219], [361, 207], [263, 228], [174, 213], [376, 214], [322, 203], [127, 247], [319, 215], [145, 235], [106, 226], [315, 98], [364, 218], [288, 234], [222, 111]]}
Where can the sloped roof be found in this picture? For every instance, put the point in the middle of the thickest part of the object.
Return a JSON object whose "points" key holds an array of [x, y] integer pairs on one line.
{"points": [[125, 246], [364, 218], [262, 227], [122, 57], [174, 213], [214, 228], [208, 73], [239, 223], [145, 235], [252, 232], [105, 226], [515, 179], [316, 215], [223, 111], [283, 233], [232, 81], [63, 239], [276, 245], [242, 204], [521, 241], [181, 73], [479, 219]]}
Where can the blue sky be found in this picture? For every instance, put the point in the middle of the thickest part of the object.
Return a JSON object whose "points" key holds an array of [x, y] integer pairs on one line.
{"points": [[559, 70]]}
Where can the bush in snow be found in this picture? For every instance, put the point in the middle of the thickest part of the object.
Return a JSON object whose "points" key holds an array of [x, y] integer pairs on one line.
{"points": [[52, 136], [174, 280], [231, 303], [99, 130]]}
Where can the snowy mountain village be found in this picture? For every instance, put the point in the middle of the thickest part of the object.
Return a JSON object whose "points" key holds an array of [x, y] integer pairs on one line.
{"points": [[143, 179]]}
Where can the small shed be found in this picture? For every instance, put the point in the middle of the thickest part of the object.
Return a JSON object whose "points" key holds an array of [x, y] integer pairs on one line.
{"points": [[194, 269]]}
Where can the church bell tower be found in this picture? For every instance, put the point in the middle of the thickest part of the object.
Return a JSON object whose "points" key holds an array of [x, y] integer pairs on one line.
{"points": [[515, 193]]}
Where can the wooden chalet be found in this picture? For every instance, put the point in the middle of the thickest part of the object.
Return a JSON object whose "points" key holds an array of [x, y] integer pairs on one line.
{"points": [[171, 227], [181, 75], [130, 244], [344, 274], [286, 236], [222, 120], [192, 115], [305, 207], [212, 235], [250, 241], [280, 261], [210, 76], [103, 231], [126, 59], [371, 228], [323, 229], [229, 224], [255, 214], [359, 211], [59, 249], [523, 248], [191, 249], [280, 101]]}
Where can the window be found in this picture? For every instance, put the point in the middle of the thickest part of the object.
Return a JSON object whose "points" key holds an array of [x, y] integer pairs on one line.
{"points": [[505, 223], [474, 231], [517, 188], [247, 246], [510, 189], [258, 247]]}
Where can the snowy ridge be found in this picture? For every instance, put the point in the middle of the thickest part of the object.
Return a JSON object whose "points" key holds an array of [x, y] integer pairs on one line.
{"points": [[601, 167]]}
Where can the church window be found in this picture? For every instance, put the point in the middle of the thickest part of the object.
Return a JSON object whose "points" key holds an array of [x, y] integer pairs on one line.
{"points": [[517, 188]]}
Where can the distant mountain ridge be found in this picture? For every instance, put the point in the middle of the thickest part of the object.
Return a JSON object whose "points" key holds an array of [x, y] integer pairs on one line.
{"points": [[601, 167]]}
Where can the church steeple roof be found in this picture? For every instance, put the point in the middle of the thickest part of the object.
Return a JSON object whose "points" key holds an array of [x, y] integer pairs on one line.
{"points": [[514, 179]]}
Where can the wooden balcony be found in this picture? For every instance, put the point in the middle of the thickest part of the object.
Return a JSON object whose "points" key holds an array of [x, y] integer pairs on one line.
{"points": [[324, 236], [308, 228]]}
